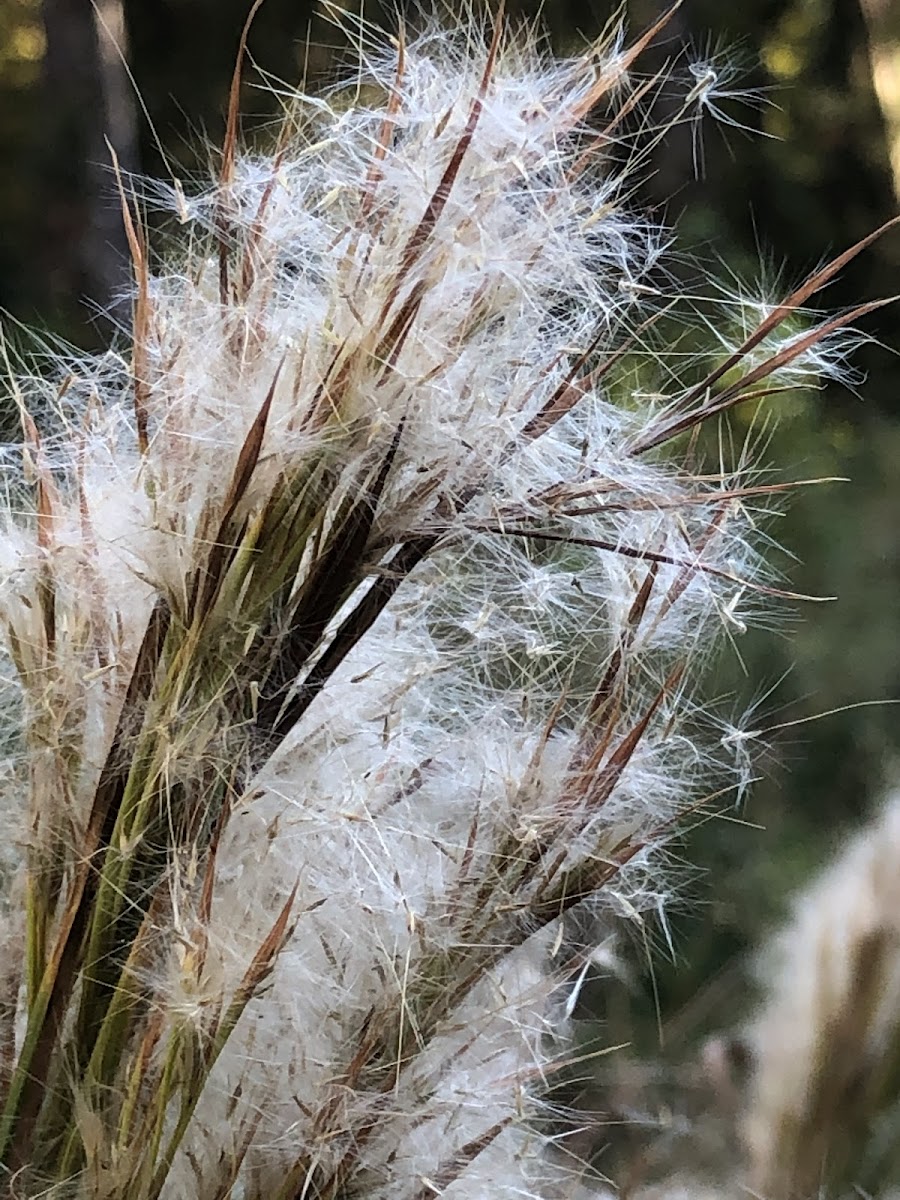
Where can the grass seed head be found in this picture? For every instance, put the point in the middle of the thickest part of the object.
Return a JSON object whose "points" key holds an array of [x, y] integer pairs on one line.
{"points": [[356, 616]]}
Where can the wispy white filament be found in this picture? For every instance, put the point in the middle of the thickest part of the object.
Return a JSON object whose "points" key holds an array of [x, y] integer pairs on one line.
{"points": [[439, 270]]}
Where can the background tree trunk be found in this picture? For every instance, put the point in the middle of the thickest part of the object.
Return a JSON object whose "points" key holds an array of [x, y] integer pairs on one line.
{"points": [[90, 108], [883, 26]]}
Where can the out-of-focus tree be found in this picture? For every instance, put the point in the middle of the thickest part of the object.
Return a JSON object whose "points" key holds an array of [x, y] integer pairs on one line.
{"points": [[883, 22], [22, 48], [183, 56], [89, 117]]}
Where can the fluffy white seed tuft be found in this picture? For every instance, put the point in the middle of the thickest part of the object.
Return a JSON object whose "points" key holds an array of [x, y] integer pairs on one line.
{"points": [[364, 595]]}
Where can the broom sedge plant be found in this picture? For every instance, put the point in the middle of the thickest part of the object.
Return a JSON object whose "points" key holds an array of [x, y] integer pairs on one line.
{"points": [[353, 615]]}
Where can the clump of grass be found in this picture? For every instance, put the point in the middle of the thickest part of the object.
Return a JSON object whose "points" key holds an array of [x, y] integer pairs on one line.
{"points": [[353, 615], [822, 1112]]}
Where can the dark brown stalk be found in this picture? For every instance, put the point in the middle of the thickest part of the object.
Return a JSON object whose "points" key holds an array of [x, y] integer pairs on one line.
{"points": [[221, 220], [451, 1170], [333, 576], [142, 312], [815, 282], [652, 556], [224, 542], [721, 402], [441, 195], [354, 626]]}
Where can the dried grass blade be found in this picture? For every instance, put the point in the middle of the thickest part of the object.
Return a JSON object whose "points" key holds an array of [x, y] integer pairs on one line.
{"points": [[221, 223], [26, 1092], [240, 481], [451, 1170], [620, 64], [137, 1080], [142, 307], [565, 397], [604, 691], [325, 589], [251, 247], [441, 194], [261, 966], [575, 887], [818, 280], [600, 788], [735, 394], [358, 622], [652, 556], [382, 142]]}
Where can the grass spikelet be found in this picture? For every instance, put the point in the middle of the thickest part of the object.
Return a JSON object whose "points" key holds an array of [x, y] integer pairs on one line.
{"points": [[356, 611]]}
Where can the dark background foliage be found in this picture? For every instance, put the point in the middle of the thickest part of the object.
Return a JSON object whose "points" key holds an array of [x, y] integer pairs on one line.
{"points": [[810, 174]]}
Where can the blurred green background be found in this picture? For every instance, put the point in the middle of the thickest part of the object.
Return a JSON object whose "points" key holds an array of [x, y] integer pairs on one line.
{"points": [[816, 167]]}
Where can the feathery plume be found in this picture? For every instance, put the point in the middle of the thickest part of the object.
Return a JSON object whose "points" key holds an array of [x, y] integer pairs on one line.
{"points": [[822, 1107], [353, 617]]}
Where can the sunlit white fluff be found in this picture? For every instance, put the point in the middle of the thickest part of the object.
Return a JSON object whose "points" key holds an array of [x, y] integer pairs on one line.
{"points": [[454, 768]]}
